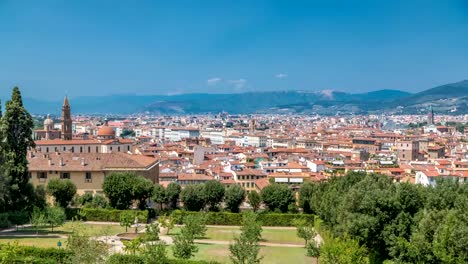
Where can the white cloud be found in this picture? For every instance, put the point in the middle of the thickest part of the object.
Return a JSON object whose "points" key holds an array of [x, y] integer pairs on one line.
{"points": [[238, 84], [281, 75], [213, 81]]}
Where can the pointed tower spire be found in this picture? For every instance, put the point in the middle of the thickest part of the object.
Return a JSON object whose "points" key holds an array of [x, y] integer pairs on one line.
{"points": [[66, 120]]}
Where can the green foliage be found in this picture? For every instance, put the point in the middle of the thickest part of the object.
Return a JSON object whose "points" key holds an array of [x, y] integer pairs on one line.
{"points": [[213, 194], [246, 248], [4, 222], [184, 246], [254, 200], [312, 249], [127, 219], [343, 251], [143, 189], [13, 253], [38, 218], [119, 190], [55, 216], [172, 194], [18, 217], [85, 199], [277, 197], [226, 218], [84, 249], [193, 197], [305, 196], [16, 126], [234, 197], [155, 253], [152, 232], [159, 195], [103, 215], [305, 230], [125, 259], [62, 190], [402, 222], [127, 133], [167, 222], [195, 225], [132, 246]]}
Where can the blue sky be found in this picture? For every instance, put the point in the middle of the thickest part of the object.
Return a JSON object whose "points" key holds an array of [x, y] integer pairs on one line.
{"points": [[50, 48]]}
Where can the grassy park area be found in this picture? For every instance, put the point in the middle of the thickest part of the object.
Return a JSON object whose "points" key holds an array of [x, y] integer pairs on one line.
{"points": [[269, 235], [45, 237], [271, 255]]}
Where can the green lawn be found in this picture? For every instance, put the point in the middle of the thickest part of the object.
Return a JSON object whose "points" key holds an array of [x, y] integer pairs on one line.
{"points": [[271, 255], [44, 237], [282, 236]]}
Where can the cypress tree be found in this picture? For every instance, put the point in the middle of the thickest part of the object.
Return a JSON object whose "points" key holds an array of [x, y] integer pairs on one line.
{"points": [[16, 133]]}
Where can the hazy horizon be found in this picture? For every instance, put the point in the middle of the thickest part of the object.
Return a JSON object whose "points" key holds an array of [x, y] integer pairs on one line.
{"points": [[88, 48]]}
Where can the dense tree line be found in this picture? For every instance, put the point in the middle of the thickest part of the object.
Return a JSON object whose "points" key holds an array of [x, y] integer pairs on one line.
{"points": [[399, 222]]}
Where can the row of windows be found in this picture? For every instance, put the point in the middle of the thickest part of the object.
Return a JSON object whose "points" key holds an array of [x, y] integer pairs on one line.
{"points": [[249, 177], [42, 175], [72, 149]]}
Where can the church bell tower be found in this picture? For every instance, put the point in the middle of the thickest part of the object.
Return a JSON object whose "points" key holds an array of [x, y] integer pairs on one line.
{"points": [[66, 120]]}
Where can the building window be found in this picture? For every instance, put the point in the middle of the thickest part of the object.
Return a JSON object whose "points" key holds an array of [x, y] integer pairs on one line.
{"points": [[97, 149], [42, 176], [64, 175], [81, 149], [72, 149], [118, 149], [88, 177], [47, 149], [128, 148], [89, 149]]}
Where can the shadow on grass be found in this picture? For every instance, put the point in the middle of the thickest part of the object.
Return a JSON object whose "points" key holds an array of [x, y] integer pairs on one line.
{"points": [[40, 231]]}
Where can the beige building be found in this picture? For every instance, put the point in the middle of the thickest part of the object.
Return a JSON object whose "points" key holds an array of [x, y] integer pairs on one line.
{"points": [[88, 170]]}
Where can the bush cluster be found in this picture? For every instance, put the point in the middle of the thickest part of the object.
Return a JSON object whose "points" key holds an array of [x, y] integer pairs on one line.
{"points": [[139, 259], [103, 215], [28, 254]]}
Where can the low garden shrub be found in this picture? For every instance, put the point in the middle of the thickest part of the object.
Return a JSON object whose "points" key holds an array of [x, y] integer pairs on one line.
{"points": [[226, 218]]}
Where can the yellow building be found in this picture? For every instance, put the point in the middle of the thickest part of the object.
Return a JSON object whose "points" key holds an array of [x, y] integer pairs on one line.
{"points": [[88, 170]]}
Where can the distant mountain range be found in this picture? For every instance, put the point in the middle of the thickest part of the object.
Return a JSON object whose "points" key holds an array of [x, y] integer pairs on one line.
{"points": [[450, 98]]}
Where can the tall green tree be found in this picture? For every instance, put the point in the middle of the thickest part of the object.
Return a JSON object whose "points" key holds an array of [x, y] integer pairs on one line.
{"points": [[246, 248], [16, 132], [63, 190], [118, 189], [159, 195], [172, 194], [234, 197], [193, 197], [277, 197], [254, 200], [214, 194]]}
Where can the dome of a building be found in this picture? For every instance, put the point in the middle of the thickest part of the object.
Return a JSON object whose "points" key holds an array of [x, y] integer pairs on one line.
{"points": [[105, 131], [48, 121]]}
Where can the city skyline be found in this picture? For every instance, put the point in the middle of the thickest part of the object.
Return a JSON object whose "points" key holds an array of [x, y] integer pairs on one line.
{"points": [[108, 48]]}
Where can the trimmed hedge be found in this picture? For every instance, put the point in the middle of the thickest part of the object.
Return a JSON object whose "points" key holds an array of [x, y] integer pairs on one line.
{"points": [[28, 254], [103, 215], [138, 259], [226, 218]]}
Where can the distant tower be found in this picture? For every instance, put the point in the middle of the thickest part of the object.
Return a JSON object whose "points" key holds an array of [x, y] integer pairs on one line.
{"points": [[252, 126], [430, 116], [66, 120]]}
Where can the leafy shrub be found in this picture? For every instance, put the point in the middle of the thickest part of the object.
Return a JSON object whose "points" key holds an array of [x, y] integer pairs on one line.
{"points": [[139, 259], [104, 215], [28, 254], [125, 259], [225, 218], [4, 222]]}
